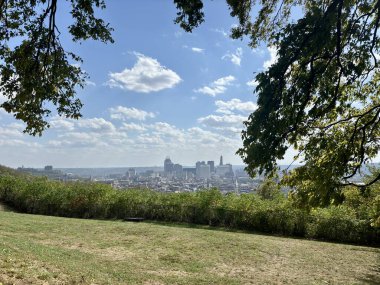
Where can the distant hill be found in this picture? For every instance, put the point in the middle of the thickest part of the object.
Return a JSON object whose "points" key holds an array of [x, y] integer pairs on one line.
{"points": [[8, 170]]}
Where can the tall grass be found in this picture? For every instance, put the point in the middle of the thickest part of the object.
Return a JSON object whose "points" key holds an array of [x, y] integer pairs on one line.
{"points": [[38, 195]]}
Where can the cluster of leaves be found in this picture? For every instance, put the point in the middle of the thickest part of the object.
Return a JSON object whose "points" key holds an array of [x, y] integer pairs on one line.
{"points": [[34, 67], [270, 212], [320, 97]]}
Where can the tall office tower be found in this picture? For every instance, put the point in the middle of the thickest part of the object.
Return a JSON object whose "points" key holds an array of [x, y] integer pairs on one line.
{"points": [[221, 160], [204, 171], [178, 171], [212, 166], [197, 167], [225, 170], [131, 173], [168, 165]]}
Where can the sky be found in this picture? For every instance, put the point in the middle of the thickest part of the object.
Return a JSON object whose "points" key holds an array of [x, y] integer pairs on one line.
{"points": [[157, 91]]}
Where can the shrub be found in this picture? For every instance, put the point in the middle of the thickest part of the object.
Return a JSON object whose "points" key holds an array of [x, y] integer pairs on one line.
{"points": [[339, 223], [276, 215]]}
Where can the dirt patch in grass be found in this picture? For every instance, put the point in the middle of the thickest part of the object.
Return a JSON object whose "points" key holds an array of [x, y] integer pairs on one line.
{"points": [[112, 253], [168, 272], [19, 272]]}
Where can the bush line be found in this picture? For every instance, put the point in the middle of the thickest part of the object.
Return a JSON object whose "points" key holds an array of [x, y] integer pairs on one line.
{"points": [[250, 212]]}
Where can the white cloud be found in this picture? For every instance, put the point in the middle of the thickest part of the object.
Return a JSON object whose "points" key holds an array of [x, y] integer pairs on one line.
{"points": [[147, 75], [17, 143], [220, 31], [253, 83], [11, 135], [78, 136], [273, 56], [10, 132], [201, 136], [235, 57], [76, 140], [197, 50], [194, 49], [258, 51], [219, 86], [124, 113], [96, 124], [220, 121], [226, 107], [133, 127], [90, 83], [62, 123], [93, 133], [150, 140], [167, 130]]}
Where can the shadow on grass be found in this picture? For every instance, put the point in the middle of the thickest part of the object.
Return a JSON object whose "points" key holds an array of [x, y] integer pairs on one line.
{"points": [[220, 229], [6, 208], [370, 247]]}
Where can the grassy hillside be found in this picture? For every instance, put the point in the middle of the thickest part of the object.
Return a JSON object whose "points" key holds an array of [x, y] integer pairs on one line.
{"points": [[50, 250]]}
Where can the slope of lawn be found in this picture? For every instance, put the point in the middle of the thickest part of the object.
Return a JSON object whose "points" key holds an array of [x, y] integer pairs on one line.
{"points": [[51, 250]]}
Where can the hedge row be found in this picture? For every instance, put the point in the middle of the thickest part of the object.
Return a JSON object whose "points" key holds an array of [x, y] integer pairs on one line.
{"points": [[247, 212]]}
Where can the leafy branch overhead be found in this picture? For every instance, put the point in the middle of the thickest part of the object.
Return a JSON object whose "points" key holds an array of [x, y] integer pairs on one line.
{"points": [[39, 71], [321, 97]]}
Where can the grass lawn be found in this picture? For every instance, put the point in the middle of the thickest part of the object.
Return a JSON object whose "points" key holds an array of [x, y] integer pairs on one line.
{"points": [[50, 250]]}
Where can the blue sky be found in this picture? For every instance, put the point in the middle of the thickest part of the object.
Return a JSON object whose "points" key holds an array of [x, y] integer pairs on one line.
{"points": [[156, 91]]}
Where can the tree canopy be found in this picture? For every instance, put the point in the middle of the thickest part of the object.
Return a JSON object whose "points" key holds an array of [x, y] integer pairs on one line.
{"points": [[34, 68], [321, 97]]}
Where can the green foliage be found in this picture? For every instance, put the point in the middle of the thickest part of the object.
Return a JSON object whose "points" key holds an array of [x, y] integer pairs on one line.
{"points": [[371, 198], [269, 190], [375, 212], [310, 99], [9, 171], [190, 14], [354, 221], [340, 223], [38, 70], [321, 97]]}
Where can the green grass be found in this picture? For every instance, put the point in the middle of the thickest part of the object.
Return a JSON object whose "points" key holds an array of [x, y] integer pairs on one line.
{"points": [[51, 250]]}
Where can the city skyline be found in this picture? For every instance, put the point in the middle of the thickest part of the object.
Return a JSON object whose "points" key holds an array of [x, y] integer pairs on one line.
{"points": [[170, 177], [135, 166]]}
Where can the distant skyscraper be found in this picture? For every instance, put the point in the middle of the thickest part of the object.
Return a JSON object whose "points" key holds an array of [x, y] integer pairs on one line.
{"points": [[48, 168], [212, 165], [204, 171], [197, 167], [177, 168], [225, 170], [131, 173], [168, 165], [221, 160]]}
